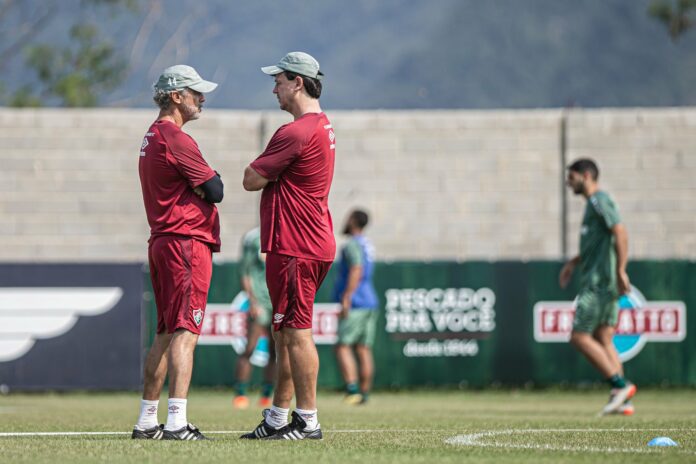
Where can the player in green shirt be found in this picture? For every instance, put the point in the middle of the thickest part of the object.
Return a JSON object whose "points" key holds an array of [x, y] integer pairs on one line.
{"points": [[253, 280], [602, 262]]}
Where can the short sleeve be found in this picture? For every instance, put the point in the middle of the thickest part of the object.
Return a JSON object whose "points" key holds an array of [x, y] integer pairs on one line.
{"points": [[353, 254], [281, 151], [607, 210], [188, 159]]}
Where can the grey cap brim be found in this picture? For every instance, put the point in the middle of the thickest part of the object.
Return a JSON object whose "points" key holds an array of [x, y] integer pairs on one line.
{"points": [[272, 70], [203, 86]]}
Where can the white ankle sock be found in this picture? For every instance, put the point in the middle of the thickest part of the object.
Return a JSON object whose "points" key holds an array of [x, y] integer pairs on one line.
{"points": [[277, 417], [148, 414], [176, 417], [310, 417]]}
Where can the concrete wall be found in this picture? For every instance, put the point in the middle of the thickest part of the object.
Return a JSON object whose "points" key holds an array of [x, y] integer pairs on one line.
{"points": [[439, 184], [647, 159]]}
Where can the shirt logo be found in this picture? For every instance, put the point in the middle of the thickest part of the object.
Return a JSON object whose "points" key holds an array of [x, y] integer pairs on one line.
{"points": [[145, 143], [332, 136], [277, 318]]}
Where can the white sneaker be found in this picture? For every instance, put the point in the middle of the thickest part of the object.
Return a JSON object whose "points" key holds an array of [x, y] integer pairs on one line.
{"points": [[618, 397]]}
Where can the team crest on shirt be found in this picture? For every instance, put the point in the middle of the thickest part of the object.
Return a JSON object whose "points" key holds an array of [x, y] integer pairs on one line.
{"points": [[197, 316], [278, 318]]}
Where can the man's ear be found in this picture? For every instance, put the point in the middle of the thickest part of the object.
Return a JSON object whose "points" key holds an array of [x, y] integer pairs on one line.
{"points": [[299, 83], [176, 96]]}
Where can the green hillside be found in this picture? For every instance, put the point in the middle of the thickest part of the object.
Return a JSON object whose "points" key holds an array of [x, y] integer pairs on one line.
{"points": [[398, 53]]}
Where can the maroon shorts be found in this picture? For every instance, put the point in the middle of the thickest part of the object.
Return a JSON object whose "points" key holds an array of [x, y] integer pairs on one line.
{"points": [[292, 284], [180, 270]]}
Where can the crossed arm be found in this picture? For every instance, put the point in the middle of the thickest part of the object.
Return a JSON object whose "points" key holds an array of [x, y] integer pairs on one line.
{"points": [[253, 180], [211, 190]]}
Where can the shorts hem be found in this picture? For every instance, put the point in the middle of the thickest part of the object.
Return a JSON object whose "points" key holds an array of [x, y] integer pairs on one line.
{"points": [[278, 329], [188, 329]]}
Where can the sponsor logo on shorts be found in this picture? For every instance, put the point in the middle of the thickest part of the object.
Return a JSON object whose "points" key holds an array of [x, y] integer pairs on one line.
{"points": [[197, 316], [277, 318], [640, 321]]}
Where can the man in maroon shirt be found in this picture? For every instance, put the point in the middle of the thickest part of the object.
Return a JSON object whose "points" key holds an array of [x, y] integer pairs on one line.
{"points": [[295, 173], [179, 191]]}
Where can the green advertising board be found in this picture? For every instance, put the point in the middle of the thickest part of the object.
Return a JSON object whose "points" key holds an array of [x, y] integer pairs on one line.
{"points": [[478, 324]]}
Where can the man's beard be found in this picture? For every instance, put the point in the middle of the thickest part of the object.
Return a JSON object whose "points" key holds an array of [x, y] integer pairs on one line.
{"points": [[191, 112]]}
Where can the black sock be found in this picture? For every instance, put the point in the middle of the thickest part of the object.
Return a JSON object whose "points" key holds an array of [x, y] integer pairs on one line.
{"points": [[616, 381]]}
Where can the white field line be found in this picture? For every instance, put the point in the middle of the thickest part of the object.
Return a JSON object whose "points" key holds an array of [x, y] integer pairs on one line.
{"points": [[216, 432], [480, 439]]}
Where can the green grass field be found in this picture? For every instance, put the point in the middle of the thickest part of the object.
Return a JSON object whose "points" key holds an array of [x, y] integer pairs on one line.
{"points": [[407, 427]]}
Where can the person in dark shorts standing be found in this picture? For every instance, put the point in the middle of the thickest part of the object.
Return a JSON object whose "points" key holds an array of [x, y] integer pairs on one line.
{"points": [[357, 324], [295, 172], [179, 190], [603, 278]]}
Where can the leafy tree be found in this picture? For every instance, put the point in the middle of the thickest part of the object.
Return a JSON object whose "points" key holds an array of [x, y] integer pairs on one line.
{"points": [[677, 18], [72, 74]]}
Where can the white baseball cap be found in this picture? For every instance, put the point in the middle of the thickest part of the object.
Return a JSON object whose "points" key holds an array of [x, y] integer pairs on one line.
{"points": [[181, 76]]}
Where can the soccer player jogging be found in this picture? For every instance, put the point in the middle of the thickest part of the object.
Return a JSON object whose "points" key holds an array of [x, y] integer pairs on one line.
{"points": [[295, 173], [253, 281], [358, 317], [179, 191], [602, 260]]}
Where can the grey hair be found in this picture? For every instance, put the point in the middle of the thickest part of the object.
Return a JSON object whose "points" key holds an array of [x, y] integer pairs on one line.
{"points": [[163, 99]]}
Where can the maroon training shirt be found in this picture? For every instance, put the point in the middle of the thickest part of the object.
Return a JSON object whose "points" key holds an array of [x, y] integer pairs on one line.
{"points": [[299, 162], [171, 165]]}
